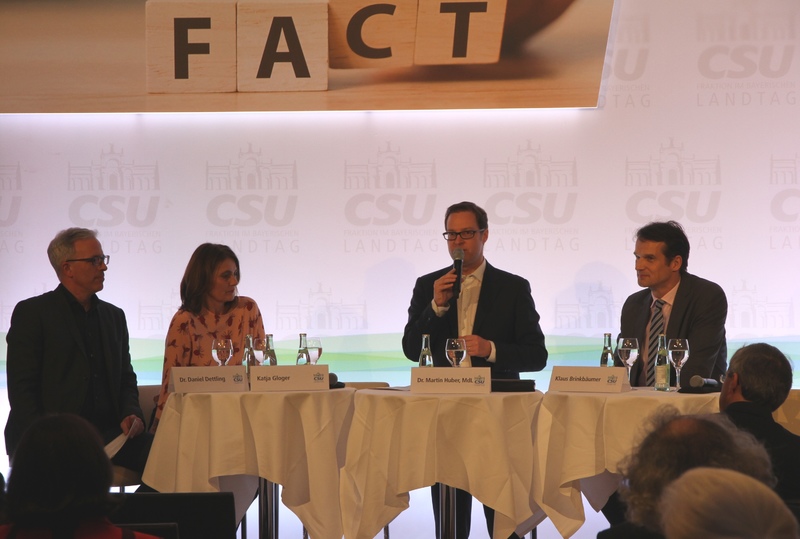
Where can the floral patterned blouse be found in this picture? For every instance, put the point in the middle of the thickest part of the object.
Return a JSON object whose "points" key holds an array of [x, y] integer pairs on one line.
{"points": [[189, 339]]}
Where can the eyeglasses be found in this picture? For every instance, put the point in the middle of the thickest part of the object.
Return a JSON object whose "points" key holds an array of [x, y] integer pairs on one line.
{"points": [[96, 261], [465, 234], [723, 377]]}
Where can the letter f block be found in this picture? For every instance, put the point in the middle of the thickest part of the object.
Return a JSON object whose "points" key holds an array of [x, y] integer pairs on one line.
{"points": [[191, 46]]}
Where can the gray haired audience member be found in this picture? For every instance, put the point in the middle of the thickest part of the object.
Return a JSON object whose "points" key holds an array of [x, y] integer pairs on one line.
{"points": [[758, 381], [715, 503], [674, 444]]}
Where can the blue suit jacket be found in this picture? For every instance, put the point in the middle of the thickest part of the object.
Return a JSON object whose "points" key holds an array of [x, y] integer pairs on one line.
{"points": [[698, 314], [47, 367], [506, 315]]}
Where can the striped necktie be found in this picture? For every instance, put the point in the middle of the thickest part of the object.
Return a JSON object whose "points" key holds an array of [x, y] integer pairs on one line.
{"points": [[655, 329]]}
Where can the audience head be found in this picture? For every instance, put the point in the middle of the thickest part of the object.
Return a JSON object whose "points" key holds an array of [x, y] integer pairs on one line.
{"points": [[60, 474], [62, 247], [715, 503], [208, 276], [758, 373], [675, 444], [671, 234]]}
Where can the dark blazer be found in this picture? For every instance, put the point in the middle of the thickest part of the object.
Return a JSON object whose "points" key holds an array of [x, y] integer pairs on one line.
{"points": [[47, 367], [698, 314], [506, 315], [783, 446]]}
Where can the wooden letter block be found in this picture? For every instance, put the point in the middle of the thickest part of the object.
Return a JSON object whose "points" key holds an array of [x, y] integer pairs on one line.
{"points": [[191, 46], [366, 33], [459, 32], [282, 45]]}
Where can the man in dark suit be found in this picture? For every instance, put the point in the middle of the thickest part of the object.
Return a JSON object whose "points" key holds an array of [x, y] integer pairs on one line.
{"points": [[68, 352], [495, 315], [693, 308], [690, 307], [757, 383]]}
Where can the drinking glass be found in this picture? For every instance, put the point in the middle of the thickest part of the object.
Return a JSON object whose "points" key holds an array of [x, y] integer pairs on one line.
{"points": [[456, 351], [260, 350], [314, 349], [678, 353], [221, 351], [628, 351]]}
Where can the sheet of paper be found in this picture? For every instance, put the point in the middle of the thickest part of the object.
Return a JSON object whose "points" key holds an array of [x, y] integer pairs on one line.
{"points": [[115, 445]]}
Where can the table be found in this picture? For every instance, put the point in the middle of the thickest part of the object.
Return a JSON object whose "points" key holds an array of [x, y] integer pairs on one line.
{"points": [[226, 441], [401, 441], [582, 437]]}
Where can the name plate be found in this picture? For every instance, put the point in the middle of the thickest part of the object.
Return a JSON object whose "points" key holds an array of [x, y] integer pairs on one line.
{"points": [[289, 378], [451, 380], [208, 379], [590, 379]]}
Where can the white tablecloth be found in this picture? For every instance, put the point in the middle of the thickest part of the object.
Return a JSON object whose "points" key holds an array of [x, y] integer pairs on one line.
{"points": [[224, 441], [582, 437], [401, 441]]}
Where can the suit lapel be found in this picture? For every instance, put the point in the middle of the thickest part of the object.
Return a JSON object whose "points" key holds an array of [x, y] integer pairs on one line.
{"points": [[678, 313], [485, 298]]}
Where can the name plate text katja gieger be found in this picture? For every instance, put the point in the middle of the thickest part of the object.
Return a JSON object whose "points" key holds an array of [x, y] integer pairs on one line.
{"points": [[289, 378]]}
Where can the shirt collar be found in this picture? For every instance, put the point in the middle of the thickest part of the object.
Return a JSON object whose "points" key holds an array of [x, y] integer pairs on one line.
{"points": [[669, 297], [479, 271]]}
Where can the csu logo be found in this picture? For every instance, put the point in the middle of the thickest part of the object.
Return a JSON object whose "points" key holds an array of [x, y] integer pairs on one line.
{"points": [[528, 208], [695, 206], [785, 205], [365, 209], [627, 65], [743, 61], [251, 210], [113, 210]]}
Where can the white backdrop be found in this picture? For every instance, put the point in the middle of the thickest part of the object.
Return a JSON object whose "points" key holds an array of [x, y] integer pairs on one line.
{"points": [[334, 214]]}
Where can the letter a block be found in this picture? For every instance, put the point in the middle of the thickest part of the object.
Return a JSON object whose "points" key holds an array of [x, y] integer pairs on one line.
{"points": [[459, 32], [191, 46], [364, 33], [282, 45]]}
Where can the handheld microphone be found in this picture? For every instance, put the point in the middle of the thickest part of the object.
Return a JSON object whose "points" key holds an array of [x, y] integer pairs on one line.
{"points": [[699, 381], [458, 262]]}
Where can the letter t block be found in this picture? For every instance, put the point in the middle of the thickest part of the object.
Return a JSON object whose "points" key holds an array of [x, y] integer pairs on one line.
{"points": [[459, 32], [191, 46]]}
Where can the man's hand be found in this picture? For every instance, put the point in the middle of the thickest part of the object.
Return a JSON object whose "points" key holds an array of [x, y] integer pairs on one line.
{"points": [[477, 346], [443, 288], [132, 426]]}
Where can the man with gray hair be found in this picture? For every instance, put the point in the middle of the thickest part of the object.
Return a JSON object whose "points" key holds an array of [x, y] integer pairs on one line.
{"points": [[673, 444], [68, 352], [757, 383]]}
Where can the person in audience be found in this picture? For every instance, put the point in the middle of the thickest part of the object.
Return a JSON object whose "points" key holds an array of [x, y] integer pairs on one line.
{"points": [[68, 352], [673, 302], [714, 503], [495, 315], [674, 444], [758, 381], [210, 309], [59, 483]]}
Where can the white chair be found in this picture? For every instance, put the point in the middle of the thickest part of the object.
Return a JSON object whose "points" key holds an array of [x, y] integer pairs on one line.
{"points": [[148, 398]]}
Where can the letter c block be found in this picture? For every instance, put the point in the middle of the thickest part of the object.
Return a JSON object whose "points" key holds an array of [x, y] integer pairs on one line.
{"points": [[372, 33], [191, 46]]}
